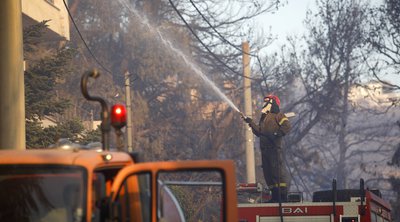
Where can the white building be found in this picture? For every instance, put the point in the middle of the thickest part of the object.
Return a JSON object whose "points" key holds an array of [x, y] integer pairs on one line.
{"points": [[35, 11], [374, 94]]}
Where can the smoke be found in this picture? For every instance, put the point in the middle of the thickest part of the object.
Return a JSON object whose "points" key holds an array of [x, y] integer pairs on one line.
{"points": [[385, 172]]}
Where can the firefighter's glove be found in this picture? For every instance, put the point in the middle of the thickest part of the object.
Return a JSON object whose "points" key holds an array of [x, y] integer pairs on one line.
{"points": [[247, 119]]}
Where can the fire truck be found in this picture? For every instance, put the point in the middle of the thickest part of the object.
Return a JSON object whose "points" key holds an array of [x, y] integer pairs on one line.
{"points": [[347, 205], [70, 183]]}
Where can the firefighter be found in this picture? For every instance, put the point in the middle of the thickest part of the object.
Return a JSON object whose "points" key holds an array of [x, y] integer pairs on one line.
{"points": [[273, 125]]}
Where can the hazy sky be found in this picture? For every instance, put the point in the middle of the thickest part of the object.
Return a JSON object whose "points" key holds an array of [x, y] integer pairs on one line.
{"points": [[289, 20]]}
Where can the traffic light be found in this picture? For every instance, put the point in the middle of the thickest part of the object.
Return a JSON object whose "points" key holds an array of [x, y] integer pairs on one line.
{"points": [[118, 116]]}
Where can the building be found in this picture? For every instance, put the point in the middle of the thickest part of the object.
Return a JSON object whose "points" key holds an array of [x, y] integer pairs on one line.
{"points": [[374, 94], [56, 33], [35, 11]]}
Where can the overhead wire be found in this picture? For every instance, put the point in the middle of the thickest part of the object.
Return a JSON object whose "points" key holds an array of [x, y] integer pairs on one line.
{"points": [[83, 40], [224, 39], [201, 42], [186, 24]]}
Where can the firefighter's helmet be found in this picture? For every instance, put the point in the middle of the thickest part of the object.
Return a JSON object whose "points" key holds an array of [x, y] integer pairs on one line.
{"points": [[273, 97]]}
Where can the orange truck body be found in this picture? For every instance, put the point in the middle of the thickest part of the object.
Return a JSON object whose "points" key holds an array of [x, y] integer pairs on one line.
{"points": [[101, 180]]}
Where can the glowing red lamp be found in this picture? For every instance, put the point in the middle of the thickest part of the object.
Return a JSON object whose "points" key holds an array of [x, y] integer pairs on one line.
{"points": [[118, 116]]}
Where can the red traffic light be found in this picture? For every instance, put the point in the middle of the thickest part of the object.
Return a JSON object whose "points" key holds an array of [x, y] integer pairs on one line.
{"points": [[118, 116]]}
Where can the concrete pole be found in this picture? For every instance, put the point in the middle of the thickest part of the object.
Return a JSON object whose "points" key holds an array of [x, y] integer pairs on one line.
{"points": [[129, 112], [91, 127], [250, 165], [12, 93]]}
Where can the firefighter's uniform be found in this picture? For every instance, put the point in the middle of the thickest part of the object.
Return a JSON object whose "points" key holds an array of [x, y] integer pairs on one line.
{"points": [[272, 127]]}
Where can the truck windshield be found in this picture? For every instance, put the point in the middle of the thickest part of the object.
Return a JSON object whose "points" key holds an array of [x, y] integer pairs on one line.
{"points": [[42, 193]]}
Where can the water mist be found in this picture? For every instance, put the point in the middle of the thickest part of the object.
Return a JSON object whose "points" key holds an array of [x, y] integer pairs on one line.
{"points": [[168, 44]]}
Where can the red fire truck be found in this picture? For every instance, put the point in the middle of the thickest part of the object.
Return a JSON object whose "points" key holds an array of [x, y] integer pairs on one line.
{"points": [[349, 205]]}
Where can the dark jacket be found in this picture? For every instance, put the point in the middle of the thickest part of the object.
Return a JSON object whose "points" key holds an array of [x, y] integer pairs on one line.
{"points": [[271, 128]]}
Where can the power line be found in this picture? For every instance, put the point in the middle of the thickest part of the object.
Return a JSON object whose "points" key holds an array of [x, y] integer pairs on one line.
{"points": [[218, 33], [201, 42], [224, 39], [83, 40]]}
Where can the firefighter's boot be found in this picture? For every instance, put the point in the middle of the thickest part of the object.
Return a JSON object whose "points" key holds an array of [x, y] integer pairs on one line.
{"points": [[275, 195], [283, 194]]}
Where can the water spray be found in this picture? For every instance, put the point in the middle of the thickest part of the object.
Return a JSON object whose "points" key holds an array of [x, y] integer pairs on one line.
{"points": [[168, 44]]}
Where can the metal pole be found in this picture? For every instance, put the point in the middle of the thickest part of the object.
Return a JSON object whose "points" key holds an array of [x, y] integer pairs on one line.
{"points": [[129, 112], [250, 166], [334, 198], [105, 114], [12, 98]]}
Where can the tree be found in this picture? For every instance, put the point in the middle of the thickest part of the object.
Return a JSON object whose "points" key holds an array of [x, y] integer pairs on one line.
{"points": [[330, 138], [46, 69], [384, 38], [43, 73]]}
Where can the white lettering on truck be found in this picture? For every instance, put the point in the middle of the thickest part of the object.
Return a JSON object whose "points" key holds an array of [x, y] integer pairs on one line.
{"points": [[294, 210]]}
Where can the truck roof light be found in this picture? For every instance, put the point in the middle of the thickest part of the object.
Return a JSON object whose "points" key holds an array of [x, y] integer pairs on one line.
{"points": [[118, 116]]}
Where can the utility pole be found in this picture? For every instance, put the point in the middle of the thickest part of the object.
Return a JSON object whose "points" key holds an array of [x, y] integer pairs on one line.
{"points": [[91, 127], [129, 111], [12, 93], [250, 165]]}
